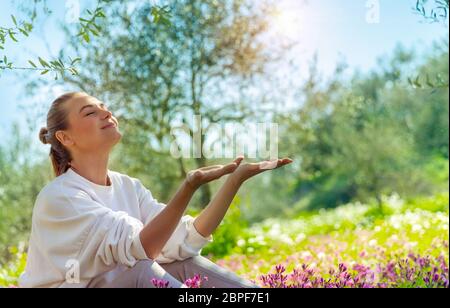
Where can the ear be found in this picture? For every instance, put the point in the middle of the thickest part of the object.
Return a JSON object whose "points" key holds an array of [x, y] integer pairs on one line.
{"points": [[64, 138]]}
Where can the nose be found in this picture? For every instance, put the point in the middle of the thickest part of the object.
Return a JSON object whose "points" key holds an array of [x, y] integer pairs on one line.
{"points": [[108, 114]]}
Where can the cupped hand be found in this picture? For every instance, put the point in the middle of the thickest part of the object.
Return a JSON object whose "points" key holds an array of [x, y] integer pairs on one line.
{"points": [[248, 170], [204, 175]]}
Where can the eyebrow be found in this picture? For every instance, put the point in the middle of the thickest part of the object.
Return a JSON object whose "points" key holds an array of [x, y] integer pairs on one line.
{"points": [[91, 105]]}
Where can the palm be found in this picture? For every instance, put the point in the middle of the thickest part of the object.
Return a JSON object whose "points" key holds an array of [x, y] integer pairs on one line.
{"points": [[204, 175], [248, 170]]}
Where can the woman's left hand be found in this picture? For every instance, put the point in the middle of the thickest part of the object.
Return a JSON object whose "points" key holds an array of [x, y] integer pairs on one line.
{"points": [[204, 175], [249, 170]]}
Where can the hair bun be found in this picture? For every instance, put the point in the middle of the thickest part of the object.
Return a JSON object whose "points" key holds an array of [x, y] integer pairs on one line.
{"points": [[43, 135]]}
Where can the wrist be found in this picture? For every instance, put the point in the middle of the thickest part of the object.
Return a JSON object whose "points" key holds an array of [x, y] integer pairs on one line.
{"points": [[190, 187], [236, 179]]}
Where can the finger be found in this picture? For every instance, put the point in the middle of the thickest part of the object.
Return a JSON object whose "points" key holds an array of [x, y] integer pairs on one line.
{"points": [[274, 164], [230, 168], [239, 160], [285, 161], [211, 167], [214, 174], [269, 165]]}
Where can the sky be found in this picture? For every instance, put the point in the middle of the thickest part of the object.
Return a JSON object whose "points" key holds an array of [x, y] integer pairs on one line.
{"points": [[359, 31]]}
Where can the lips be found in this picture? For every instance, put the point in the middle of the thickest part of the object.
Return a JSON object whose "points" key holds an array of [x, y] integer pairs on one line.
{"points": [[109, 125]]}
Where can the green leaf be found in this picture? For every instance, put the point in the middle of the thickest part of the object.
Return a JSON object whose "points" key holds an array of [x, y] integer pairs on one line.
{"points": [[32, 63], [43, 62], [11, 35], [23, 32], [97, 27], [28, 27], [86, 37], [55, 64], [410, 81], [94, 32], [74, 61]]}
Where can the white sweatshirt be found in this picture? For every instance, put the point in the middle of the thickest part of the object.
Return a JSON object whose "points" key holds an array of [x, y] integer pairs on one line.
{"points": [[79, 224]]}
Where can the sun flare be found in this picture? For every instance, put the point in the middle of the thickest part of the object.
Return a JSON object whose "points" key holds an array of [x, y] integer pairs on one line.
{"points": [[287, 23]]}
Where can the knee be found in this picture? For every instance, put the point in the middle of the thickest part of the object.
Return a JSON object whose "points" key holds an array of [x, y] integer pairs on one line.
{"points": [[146, 269], [143, 265]]}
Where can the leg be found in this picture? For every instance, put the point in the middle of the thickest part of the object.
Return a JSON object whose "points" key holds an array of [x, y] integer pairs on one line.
{"points": [[218, 277], [140, 276]]}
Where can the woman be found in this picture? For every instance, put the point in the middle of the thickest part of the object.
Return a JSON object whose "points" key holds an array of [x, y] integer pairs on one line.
{"points": [[93, 227]]}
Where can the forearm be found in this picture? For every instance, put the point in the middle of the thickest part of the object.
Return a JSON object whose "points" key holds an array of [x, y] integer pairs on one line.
{"points": [[155, 235], [209, 219]]}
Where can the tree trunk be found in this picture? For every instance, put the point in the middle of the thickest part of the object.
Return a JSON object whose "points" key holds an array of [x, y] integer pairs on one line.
{"points": [[379, 202], [205, 190]]}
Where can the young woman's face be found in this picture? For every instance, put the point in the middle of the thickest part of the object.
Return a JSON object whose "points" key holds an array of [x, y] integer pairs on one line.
{"points": [[91, 125]]}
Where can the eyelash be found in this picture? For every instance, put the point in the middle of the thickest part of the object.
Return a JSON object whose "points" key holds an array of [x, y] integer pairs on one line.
{"points": [[90, 113]]}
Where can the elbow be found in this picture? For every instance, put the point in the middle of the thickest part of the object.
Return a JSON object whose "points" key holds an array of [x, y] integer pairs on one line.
{"points": [[151, 252]]}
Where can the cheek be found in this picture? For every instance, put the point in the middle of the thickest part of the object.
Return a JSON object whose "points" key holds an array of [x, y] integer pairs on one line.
{"points": [[87, 132]]}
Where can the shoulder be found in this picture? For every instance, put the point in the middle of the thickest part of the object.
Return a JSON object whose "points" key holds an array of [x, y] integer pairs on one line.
{"points": [[126, 182], [57, 198]]}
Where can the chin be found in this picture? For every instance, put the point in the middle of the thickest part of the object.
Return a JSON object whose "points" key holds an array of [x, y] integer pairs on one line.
{"points": [[118, 137]]}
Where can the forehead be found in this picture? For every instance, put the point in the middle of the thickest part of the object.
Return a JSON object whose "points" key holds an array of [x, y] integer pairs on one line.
{"points": [[83, 99]]}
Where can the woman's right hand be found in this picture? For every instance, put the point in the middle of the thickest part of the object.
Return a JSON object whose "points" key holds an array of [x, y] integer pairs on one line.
{"points": [[199, 177]]}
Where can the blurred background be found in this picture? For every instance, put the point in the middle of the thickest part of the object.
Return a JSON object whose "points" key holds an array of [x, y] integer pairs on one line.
{"points": [[359, 90]]}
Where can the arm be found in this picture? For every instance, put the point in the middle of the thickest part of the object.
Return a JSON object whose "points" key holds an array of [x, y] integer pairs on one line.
{"points": [[155, 235], [209, 219]]}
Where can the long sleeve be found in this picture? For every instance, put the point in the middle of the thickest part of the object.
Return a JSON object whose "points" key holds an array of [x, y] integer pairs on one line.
{"points": [[70, 225], [185, 241]]}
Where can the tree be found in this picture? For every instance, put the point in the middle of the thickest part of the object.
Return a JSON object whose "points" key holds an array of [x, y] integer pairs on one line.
{"points": [[371, 136], [155, 80], [88, 26], [438, 13]]}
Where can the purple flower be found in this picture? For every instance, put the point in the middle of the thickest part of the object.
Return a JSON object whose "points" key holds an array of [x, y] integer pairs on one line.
{"points": [[195, 282], [160, 283]]}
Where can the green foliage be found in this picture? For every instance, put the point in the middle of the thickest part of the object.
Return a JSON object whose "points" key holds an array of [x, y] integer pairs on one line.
{"points": [[21, 179], [10, 272], [158, 77], [372, 137], [230, 230], [88, 25], [423, 221]]}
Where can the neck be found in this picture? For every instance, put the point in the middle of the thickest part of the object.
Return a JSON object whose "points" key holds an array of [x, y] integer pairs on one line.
{"points": [[93, 167]]}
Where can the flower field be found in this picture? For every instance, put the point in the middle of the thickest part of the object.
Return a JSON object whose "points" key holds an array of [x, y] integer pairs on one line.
{"points": [[352, 246]]}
